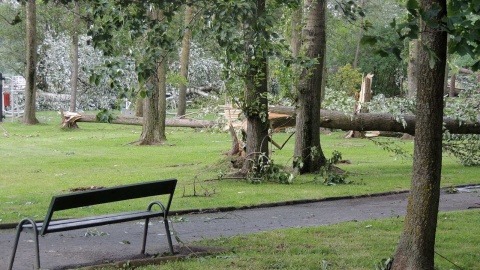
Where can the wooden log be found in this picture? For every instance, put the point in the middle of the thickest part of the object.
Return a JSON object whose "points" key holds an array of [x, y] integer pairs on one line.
{"points": [[380, 122], [169, 122]]}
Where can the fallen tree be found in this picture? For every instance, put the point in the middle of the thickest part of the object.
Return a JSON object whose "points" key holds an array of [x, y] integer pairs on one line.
{"points": [[169, 122], [378, 121], [329, 119]]}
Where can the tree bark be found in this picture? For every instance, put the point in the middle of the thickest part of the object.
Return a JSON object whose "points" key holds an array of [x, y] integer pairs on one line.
{"points": [[416, 247], [29, 116], [256, 102], [378, 121], [74, 79], [412, 68], [185, 60], [308, 150]]}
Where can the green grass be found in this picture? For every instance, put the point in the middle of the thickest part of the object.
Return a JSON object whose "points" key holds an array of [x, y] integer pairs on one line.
{"points": [[40, 161], [348, 245]]}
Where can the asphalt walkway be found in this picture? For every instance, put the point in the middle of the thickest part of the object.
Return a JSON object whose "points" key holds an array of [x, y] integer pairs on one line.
{"points": [[122, 241]]}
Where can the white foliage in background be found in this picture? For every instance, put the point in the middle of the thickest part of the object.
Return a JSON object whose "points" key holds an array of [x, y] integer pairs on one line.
{"points": [[55, 69], [338, 101], [465, 107], [204, 70]]}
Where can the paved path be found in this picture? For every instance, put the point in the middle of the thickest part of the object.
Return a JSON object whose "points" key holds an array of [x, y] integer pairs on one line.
{"points": [[122, 241]]}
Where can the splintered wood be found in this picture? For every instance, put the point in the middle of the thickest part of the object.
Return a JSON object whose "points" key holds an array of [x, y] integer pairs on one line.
{"points": [[234, 118], [69, 119]]}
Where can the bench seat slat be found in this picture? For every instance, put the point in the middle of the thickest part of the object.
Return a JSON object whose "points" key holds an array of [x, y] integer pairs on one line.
{"points": [[87, 222]]}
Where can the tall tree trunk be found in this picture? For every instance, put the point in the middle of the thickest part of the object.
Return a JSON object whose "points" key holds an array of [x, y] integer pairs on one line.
{"points": [[416, 246], [30, 72], [296, 39], [74, 79], [185, 60], [162, 96], [255, 95], [412, 68], [307, 135], [360, 36]]}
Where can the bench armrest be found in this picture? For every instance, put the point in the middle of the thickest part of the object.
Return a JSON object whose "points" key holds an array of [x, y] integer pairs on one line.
{"points": [[165, 212]]}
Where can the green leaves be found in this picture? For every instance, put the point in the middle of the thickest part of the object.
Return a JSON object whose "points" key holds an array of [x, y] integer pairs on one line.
{"points": [[105, 116], [412, 6], [432, 57], [462, 24]]}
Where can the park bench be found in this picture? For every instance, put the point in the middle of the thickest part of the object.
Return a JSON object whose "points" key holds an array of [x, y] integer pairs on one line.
{"points": [[100, 196]]}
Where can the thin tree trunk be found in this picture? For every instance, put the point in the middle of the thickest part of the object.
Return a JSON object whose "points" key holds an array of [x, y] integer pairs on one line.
{"points": [[74, 79], [416, 246], [307, 136], [162, 96], [185, 60], [30, 72], [296, 39], [360, 36], [452, 91], [412, 68]]}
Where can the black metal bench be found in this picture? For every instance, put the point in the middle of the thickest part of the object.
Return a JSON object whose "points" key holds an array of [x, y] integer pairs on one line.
{"points": [[99, 196]]}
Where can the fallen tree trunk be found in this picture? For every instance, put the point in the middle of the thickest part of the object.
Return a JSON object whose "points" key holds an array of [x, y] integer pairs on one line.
{"points": [[378, 122], [203, 90], [169, 122], [328, 119]]}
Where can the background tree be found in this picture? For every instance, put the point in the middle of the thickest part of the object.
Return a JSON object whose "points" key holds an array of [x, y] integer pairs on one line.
{"points": [[75, 34], [184, 61], [256, 103], [12, 33], [147, 37], [244, 30], [296, 31], [308, 151], [29, 116], [346, 23], [154, 114], [360, 36]]}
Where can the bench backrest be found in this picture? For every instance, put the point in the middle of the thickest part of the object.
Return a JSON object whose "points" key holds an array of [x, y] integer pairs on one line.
{"points": [[112, 194]]}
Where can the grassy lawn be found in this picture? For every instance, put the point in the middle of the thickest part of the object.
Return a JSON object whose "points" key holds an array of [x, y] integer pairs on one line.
{"points": [[348, 245], [44, 160]]}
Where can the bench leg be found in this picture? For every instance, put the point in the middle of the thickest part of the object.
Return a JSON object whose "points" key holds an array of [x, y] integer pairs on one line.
{"points": [[169, 236], [167, 231], [17, 238], [145, 231]]}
